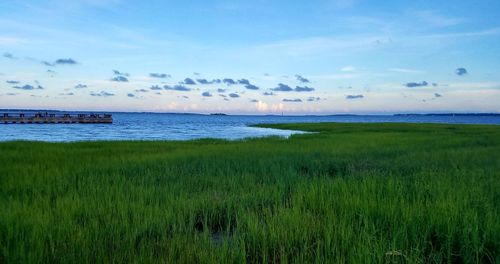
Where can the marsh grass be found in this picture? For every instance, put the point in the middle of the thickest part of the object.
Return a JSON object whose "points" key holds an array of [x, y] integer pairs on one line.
{"points": [[357, 193]]}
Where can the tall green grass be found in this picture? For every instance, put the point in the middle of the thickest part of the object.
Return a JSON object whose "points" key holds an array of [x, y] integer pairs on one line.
{"points": [[356, 193]]}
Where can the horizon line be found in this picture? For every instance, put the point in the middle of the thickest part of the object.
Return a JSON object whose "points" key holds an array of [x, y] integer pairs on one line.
{"points": [[255, 114]]}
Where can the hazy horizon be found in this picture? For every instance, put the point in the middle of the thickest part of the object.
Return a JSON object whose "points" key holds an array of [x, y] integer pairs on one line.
{"points": [[251, 57], [6, 110]]}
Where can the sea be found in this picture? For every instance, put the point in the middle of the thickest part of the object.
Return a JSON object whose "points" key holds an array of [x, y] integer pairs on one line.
{"points": [[168, 126]]}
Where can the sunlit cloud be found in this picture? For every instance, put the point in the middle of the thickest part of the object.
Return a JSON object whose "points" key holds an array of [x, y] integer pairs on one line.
{"points": [[261, 106]]}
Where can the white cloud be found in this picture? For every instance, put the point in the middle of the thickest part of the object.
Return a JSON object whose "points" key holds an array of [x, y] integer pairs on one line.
{"points": [[348, 69], [277, 107], [261, 106]]}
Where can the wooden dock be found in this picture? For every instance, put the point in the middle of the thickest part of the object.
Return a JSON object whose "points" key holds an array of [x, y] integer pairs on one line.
{"points": [[51, 118]]}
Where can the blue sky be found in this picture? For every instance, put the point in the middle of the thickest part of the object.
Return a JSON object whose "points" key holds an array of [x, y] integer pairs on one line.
{"points": [[251, 57]]}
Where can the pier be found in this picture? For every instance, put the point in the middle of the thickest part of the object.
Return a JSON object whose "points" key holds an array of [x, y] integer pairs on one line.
{"points": [[52, 118]]}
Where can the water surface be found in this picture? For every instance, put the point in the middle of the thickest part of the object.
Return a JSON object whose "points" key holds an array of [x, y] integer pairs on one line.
{"points": [[153, 126]]}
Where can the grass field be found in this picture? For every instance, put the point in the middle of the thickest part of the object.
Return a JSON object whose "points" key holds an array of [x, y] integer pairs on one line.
{"points": [[356, 193]]}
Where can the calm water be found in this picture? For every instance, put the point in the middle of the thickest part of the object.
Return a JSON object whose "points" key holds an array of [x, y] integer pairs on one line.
{"points": [[148, 126]]}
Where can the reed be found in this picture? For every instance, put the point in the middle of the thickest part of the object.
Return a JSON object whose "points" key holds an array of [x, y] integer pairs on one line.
{"points": [[357, 193]]}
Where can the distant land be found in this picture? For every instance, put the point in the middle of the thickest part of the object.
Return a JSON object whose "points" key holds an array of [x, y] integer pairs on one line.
{"points": [[225, 114]]}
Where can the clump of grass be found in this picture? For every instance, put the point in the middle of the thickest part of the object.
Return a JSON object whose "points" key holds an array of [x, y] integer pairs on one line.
{"points": [[357, 193]]}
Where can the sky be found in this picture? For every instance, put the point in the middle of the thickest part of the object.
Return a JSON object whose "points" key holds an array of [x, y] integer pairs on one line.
{"points": [[251, 57]]}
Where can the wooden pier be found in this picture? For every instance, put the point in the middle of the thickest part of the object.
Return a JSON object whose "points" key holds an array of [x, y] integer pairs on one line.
{"points": [[51, 118]]}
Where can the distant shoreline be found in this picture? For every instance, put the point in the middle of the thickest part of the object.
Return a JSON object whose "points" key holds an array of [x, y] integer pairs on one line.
{"points": [[228, 114]]}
